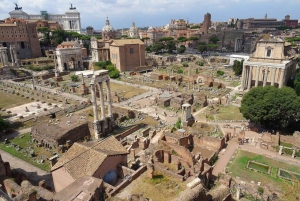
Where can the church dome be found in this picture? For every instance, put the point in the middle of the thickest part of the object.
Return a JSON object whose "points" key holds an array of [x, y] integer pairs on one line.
{"points": [[150, 29], [107, 27], [133, 27]]}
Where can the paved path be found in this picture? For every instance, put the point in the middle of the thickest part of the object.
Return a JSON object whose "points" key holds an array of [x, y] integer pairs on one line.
{"points": [[16, 133], [53, 91], [224, 158], [34, 174]]}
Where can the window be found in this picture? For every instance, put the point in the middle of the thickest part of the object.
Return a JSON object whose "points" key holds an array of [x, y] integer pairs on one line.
{"points": [[131, 50], [268, 52]]}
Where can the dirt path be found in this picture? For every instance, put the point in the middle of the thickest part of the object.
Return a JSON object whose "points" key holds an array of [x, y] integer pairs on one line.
{"points": [[224, 158], [33, 173]]}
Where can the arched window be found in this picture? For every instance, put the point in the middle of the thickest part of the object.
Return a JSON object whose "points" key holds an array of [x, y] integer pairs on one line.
{"points": [[269, 52]]}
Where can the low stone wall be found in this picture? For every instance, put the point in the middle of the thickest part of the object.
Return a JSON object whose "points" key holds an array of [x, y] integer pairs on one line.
{"points": [[211, 142], [127, 132], [126, 182], [287, 139], [163, 169]]}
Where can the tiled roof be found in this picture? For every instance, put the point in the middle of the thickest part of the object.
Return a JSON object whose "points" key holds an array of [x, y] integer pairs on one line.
{"points": [[127, 42], [85, 159]]}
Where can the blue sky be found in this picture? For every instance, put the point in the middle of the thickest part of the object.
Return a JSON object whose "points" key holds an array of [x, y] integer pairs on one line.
{"points": [[157, 12]]}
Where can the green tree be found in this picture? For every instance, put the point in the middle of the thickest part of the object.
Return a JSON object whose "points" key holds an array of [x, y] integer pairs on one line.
{"points": [[3, 125], [238, 67], [271, 107], [181, 49], [157, 47], [75, 78], [201, 63], [195, 27], [170, 46], [202, 47], [214, 39], [182, 39], [148, 48], [165, 39], [212, 46], [185, 64], [193, 38]]}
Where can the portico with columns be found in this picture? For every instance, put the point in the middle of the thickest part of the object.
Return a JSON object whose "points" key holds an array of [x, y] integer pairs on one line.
{"points": [[3, 56], [265, 74], [105, 124], [268, 66]]}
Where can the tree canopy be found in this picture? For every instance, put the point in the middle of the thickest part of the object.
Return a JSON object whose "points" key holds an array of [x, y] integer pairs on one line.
{"points": [[214, 39], [3, 125], [272, 107], [238, 67], [181, 49]]}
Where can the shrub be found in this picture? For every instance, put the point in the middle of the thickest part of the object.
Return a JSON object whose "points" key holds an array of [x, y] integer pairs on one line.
{"points": [[220, 73], [178, 123], [185, 64], [75, 78], [260, 190], [179, 71], [201, 63]]}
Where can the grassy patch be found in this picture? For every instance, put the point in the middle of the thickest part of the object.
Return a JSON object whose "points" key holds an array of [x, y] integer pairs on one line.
{"points": [[238, 168], [286, 144], [229, 113], [24, 142], [157, 179], [11, 100]]}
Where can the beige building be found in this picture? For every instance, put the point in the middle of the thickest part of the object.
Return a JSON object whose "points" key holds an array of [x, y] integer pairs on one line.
{"points": [[126, 54], [273, 63], [22, 35]]}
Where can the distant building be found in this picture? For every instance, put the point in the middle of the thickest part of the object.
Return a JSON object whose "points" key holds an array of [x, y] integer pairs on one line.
{"points": [[133, 31], [108, 31], [252, 23], [52, 25], [206, 23], [22, 35], [290, 23], [154, 35], [125, 54], [90, 31], [273, 63], [70, 21]]}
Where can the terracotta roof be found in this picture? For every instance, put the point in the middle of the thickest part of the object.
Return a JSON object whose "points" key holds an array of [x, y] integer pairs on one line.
{"points": [[127, 42], [82, 189], [8, 25], [85, 159]]}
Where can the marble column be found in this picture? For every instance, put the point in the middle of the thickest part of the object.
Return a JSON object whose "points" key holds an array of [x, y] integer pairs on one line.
{"points": [[281, 78], [2, 59], [273, 76], [100, 84], [250, 78], [12, 56], [265, 77], [15, 57], [94, 101], [109, 99], [257, 75], [243, 77]]}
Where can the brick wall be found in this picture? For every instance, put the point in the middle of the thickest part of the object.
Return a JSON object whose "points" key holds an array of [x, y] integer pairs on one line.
{"points": [[181, 151]]}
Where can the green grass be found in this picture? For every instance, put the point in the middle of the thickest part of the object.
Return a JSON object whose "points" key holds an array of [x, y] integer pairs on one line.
{"points": [[286, 144], [23, 143], [258, 167], [229, 113], [157, 179], [238, 168], [8, 100]]}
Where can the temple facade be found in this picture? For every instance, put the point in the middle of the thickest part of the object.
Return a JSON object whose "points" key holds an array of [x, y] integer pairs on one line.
{"points": [[273, 63]]}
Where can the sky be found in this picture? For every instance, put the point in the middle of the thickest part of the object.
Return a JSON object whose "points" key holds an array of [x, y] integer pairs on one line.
{"points": [[144, 13]]}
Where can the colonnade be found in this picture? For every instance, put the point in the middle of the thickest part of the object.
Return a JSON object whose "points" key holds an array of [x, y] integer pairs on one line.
{"points": [[3, 56], [99, 82], [261, 75]]}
